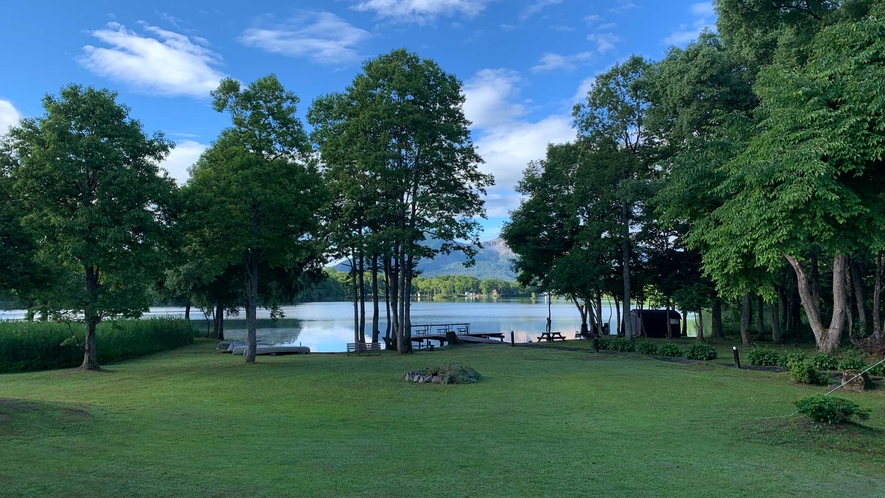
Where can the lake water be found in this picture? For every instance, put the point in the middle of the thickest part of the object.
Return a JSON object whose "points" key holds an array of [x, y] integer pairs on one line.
{"points": [[328, 327]]}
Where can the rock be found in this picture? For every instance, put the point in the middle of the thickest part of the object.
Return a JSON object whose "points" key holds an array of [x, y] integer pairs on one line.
{"points": [[449, 374], [859, 384]]}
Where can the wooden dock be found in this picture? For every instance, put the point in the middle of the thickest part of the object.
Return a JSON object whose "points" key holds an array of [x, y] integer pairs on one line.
{"points": [[439, 332]]}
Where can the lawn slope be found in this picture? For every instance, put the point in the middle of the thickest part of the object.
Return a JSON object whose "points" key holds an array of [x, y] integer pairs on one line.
{"points": [[543, 423]]}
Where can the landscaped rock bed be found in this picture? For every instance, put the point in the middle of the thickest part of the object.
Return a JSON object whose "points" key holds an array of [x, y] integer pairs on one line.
{"points": [[447, 374]]}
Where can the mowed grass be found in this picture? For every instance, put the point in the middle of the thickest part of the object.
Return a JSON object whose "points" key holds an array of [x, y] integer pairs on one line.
{"points": [[544, 422]]}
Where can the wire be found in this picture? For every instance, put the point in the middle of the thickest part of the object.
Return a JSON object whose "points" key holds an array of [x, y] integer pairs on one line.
{"points": [[844, 383]]}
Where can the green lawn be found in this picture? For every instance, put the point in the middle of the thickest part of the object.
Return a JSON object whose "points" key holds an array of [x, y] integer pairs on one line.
{"points": [[545, 422]]}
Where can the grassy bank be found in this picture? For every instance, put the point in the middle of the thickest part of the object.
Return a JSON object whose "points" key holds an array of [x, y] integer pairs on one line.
{"points": [[544, 422], [30, 346]]}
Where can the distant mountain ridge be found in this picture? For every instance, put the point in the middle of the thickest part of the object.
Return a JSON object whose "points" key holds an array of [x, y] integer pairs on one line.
{"points": [[492, 261]]}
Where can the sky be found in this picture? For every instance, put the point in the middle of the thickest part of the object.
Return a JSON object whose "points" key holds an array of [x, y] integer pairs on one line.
{"points": [[523, 63]]}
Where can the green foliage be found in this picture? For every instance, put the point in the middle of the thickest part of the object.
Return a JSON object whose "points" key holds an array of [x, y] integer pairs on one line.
{"points": [[852, 360], [670, 349], [604, 343], [450, 374], [29, 346], [824, 361], [762, 356], [795, 357], [878, 369], [700, 351], [622, 345], [830, 409], [646, 347], [804, 373]]}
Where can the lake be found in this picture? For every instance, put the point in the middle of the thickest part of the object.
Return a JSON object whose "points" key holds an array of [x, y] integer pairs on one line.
{"points": [[328, 327]]}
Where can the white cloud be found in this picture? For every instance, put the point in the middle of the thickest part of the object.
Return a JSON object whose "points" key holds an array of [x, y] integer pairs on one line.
{"points": [[704, 14], [703, 9], [550, 62], [583, 89], [158, 62], [9, 116], [623, 6], [605, 42], [421, 11], [537, 7], [506, 139], [608, 25], [185, 154], [322, 37], [591, 19], [489, 97]]}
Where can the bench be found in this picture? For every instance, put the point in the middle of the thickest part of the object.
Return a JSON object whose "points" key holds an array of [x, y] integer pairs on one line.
{"points": [[551, 336], [360, 347]]}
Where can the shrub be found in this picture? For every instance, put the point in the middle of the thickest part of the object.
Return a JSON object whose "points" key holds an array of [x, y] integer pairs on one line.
{"points": [[852, 360], [792, 357], [824, 361], [669, 349], [700, 351], [30, 346], [831, 410], [604, 343], [878, 369], [622, 345], [805, 373], [645, 347], [764, 357]]}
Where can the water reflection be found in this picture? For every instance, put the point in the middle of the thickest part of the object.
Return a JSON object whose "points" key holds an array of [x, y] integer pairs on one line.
{"points": [[328, 327]]}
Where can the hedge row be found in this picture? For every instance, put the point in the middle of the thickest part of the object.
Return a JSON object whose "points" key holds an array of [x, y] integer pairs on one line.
{"points": [[30, 346]]}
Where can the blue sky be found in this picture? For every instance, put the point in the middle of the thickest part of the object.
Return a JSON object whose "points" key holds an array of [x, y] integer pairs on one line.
{"points": [[524, 63]]}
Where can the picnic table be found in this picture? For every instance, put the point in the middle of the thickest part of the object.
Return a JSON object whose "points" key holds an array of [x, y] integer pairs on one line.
{"points": [[551, 336]]}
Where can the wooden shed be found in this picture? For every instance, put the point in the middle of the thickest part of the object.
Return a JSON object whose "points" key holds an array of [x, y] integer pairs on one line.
{"points": [[653, 323]]}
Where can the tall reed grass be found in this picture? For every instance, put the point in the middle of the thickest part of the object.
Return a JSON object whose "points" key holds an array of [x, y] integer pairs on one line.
{"points": [[29, 346]]}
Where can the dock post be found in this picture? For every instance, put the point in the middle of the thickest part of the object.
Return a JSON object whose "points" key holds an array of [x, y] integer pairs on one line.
{"points": [[737, 357], [512, 342]]}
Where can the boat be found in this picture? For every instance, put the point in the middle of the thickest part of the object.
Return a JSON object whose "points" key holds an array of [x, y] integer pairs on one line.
{"points": [[231, 346], [240, 349]]}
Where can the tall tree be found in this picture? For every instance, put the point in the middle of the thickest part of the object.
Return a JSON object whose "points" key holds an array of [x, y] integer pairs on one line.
{"points": [[255, 197], [400, 132], [615, 113], [810, 181], [96, 198]]}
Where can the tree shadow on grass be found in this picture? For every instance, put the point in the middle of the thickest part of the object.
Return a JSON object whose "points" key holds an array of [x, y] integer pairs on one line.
{"points": [[20, 417]]}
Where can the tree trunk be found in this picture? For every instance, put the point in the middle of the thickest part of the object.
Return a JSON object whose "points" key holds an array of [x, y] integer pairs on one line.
{"points": [[669, 326], [746, 309], [387, 291], [599, 313], [760, 318], [700, 337], [407, 315], [827, 338], [90, 354], [401, 311], [361, 269], [684, 323], [583, 312], [375, 311], [775, 325], [625, 253], [251, 305], [815, 281], [717, 319], [783, 311], [618, 328], [187, 311], [859, 300], [877, 296], [218, 330]]}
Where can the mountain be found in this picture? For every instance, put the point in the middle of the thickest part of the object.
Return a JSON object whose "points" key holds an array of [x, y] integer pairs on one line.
{"points": [[492, 261]]}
